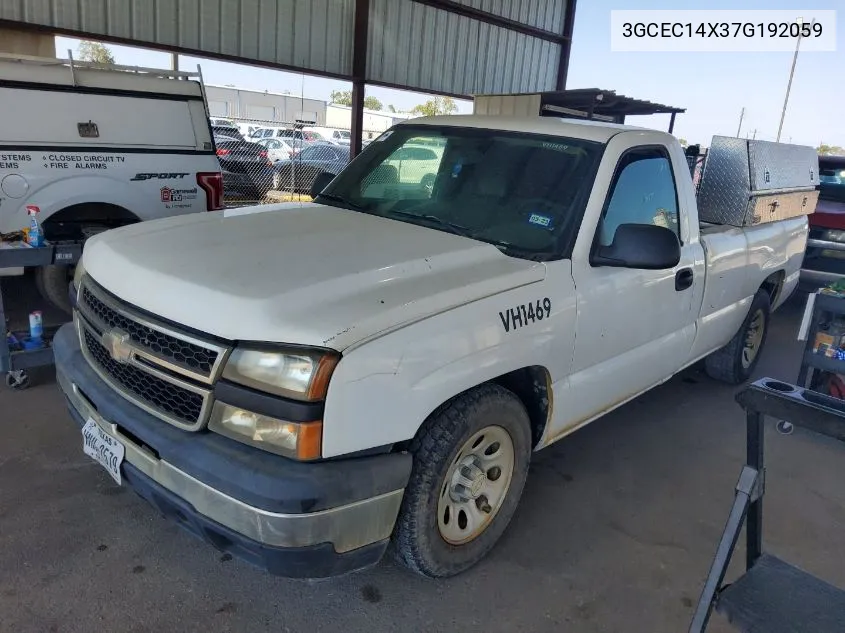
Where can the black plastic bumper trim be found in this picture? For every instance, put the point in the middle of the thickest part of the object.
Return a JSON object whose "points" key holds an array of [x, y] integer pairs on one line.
{"points": [[266, 404]]}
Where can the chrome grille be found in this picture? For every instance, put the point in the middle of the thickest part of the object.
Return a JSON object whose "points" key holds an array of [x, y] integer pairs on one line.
{"points": [[188, 355], [160, 394], [160, 368]]}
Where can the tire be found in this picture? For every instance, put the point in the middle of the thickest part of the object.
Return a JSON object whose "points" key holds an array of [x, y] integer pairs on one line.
{"points": [[52, 283], [418, 539], [277, 181], [730, 364]]}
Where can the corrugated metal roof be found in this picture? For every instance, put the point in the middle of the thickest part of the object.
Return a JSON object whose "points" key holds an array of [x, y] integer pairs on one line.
{"points": [[416, 45], [542, 14], [410, 44], [308, 34]]}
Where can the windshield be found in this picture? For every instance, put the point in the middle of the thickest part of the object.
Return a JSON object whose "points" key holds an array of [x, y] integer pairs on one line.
{"points": [[523, 192], [832, 178]]}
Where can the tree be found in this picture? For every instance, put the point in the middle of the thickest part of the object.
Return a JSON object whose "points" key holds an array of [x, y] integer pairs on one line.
{"points": [[683, 142], [371, 103], [391, 108], [95, 52], [436, 105], [344, 97], [826, 149], [341, 97]]}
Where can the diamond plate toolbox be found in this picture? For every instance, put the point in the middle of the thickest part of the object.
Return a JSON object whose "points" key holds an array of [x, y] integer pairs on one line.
{"points": [[738, 172]]}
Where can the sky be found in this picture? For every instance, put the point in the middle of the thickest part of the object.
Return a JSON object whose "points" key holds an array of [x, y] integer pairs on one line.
{"points": [[713, 87]]}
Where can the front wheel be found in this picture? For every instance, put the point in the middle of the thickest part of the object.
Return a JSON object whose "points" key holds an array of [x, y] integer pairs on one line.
{"points": [[735, 362], [470, 464]]}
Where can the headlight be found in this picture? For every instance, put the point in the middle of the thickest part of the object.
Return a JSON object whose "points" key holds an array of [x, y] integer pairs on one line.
{"points": [[303, 375], [301, 441]]}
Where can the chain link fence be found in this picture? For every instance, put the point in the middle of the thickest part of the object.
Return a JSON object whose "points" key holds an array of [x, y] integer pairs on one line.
{"points": [[268, 161]]}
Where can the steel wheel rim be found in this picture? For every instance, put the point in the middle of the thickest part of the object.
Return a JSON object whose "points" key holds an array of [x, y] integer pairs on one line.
{"points": [[476, 485], [753, 338]]}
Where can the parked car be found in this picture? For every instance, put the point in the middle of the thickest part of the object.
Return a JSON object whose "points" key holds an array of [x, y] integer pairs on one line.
{"points": [[299, 173], [278, 149], [286, 133], [219, 123], [246, 129], [247, 170], [416, 163], [824, 261], [264, 132], [306, 385], [341, 137]]}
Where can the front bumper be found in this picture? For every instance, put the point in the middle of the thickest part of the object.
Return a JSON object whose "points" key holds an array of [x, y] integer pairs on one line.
{"points": [[290, 518]]}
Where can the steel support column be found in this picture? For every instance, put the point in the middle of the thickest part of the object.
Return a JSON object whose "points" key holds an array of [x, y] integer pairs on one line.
{"points": [[359, 74], [566, 45]]}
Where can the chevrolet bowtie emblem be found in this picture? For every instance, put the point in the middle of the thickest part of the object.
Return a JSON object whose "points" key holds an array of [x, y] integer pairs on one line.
{"points": [[117, 344]]}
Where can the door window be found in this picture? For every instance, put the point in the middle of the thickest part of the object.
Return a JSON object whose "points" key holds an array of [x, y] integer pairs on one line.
{"points": [[642, 192]]}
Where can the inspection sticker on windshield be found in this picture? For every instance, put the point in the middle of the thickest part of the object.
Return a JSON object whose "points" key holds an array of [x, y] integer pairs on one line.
{"points": [[526, 313], [540, 220]]}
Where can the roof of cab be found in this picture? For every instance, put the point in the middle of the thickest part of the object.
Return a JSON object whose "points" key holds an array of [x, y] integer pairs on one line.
{"points": [[598, 131]]}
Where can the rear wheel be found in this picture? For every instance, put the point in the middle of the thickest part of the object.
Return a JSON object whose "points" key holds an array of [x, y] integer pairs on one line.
{"points": [[470, 464], [735, 362], [53, 281]]}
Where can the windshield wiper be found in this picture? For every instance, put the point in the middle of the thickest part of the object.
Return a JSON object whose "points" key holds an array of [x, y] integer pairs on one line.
{"points": [[522, 253], [457, 229], [342, 200]]}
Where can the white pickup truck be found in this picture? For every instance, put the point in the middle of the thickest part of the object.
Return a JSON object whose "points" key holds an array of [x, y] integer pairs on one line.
{"points": [[301, 383]]}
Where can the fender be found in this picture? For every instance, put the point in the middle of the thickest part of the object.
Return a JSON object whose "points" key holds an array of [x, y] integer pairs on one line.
{"points": [[69, 191], [383, 391]]}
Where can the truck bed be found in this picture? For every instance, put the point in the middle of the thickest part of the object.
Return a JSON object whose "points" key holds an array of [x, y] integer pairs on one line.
{"points": [[736, 258]]}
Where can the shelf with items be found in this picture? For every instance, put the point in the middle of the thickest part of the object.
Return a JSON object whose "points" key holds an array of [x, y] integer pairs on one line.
{"points": [[18, 352], [823, 329]]}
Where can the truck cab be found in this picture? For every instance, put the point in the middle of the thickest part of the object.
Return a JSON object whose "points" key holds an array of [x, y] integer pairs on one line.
{"points": [[300, 384]]}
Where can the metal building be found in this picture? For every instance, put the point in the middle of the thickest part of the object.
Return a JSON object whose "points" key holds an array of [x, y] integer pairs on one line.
{"points": [[453, 47], [264, 106]]}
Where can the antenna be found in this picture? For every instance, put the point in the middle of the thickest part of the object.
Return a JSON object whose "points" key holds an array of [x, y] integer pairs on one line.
{"points": [[741, 116]]}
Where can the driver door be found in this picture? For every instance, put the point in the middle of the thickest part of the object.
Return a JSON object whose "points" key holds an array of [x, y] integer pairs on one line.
{"points": [[635, 327]]}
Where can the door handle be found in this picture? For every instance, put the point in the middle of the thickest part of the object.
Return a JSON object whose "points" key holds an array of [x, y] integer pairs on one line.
{"points": [[683, 279]]}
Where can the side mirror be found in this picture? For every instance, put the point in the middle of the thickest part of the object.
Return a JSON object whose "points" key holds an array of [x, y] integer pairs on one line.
{"points": [[320, 182], [646, 246]]}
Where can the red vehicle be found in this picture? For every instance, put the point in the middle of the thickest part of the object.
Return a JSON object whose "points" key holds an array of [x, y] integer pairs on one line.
{"points": [[824, 260]]}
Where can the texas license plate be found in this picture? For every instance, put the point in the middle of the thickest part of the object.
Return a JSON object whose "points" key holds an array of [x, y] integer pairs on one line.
{"points": [[105, 449]]}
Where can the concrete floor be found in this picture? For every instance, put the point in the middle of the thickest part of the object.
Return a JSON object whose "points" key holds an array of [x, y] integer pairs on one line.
{"points": [[615, 532]]}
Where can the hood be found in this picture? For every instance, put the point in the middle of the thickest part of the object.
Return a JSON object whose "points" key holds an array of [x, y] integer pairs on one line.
{"points": [[302, 274]]}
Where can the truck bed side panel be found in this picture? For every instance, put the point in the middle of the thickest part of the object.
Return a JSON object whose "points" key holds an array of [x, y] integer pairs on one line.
{"points": [[738, 261]]}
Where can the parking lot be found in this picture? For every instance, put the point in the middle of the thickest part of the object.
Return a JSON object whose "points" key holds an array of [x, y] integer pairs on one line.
{"points": [[615, 531]]}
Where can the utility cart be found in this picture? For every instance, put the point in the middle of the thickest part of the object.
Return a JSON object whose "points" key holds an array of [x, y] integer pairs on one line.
{"points": [[16, 360], [772, 596], [823, 361]]}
